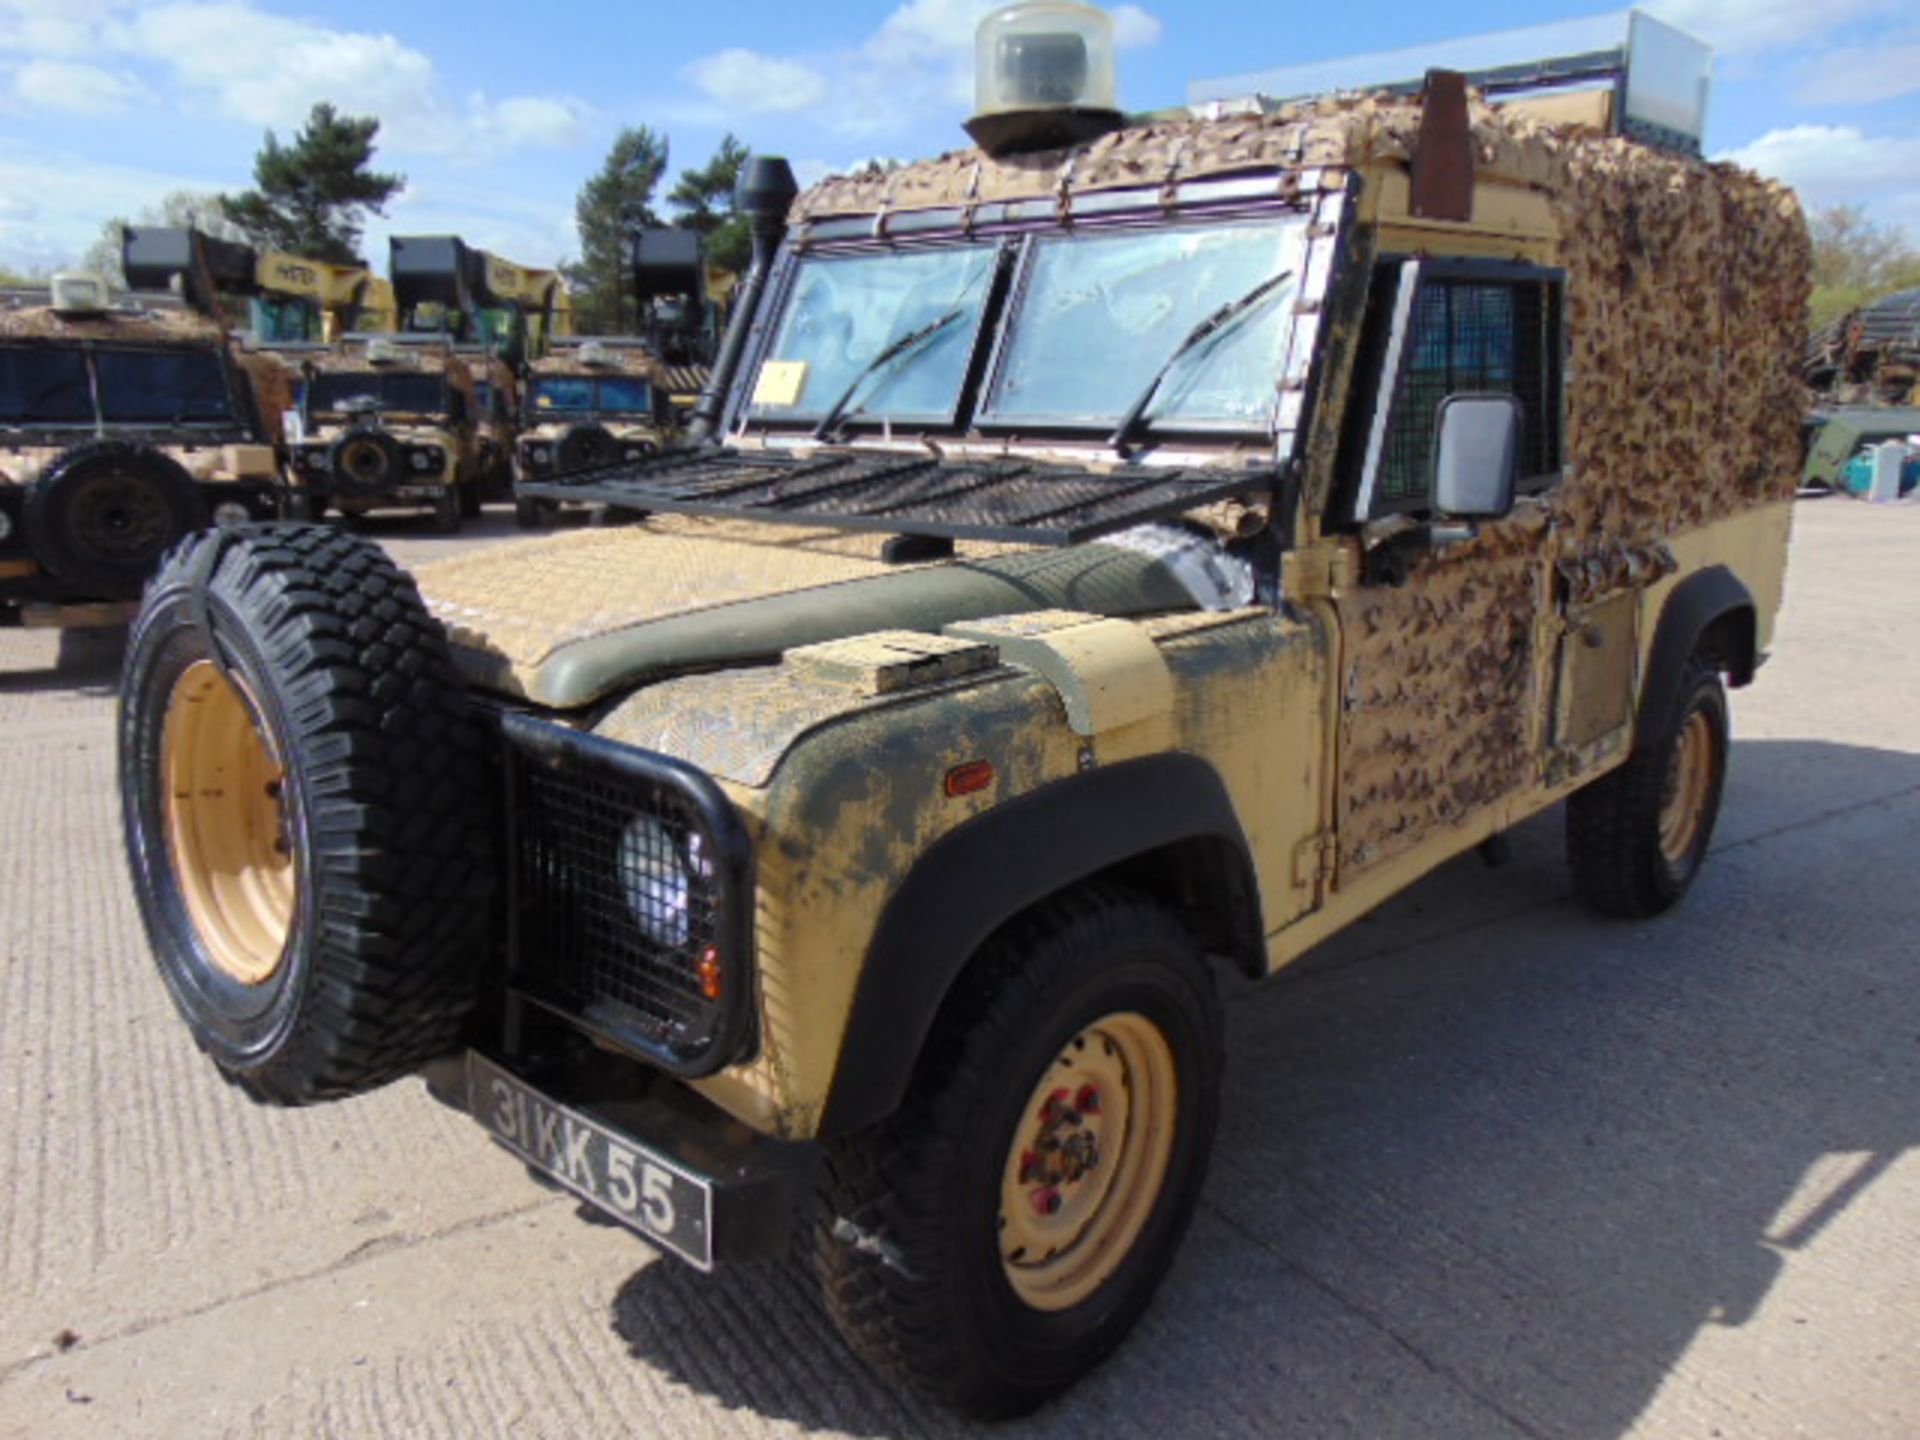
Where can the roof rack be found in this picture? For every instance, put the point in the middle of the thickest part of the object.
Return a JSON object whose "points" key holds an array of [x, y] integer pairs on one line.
{"points": [[1658, 76]]}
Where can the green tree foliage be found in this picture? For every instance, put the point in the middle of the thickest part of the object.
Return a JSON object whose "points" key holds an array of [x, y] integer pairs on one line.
{"points": [[704, 198], [196, 209], [1856, 260], [614, 203], [312, 197]]}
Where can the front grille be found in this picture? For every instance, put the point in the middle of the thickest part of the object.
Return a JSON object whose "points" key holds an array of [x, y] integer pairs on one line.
{"points": [[630, 895]]}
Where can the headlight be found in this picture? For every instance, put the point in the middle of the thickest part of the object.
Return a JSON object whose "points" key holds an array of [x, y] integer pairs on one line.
{"points": [[660, 868], [634, 452], [539, 454], [231, 512], [424, 459]]}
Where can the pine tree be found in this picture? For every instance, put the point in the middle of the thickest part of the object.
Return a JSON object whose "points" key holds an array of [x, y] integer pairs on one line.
{"points": [[610, 208], [705, 199], [312, 197]]}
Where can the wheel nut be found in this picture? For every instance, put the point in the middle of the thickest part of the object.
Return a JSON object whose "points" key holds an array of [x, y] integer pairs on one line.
{"points": [[1047, 1201], [1087, 1102]]}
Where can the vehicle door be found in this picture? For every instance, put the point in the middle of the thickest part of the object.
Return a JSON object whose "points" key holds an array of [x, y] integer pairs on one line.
{"points": [[1447, 630]]}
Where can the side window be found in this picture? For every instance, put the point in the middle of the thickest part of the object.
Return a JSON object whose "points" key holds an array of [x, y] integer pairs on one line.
{"points": [[1467, 330]]}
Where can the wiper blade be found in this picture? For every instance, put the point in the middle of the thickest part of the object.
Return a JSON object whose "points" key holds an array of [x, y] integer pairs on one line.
{"points": [[837, 412], [1135, 419]]}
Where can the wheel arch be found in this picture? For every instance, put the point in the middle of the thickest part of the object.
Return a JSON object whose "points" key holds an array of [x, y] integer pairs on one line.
{"points": [[1711, 609], [1163, 825]]}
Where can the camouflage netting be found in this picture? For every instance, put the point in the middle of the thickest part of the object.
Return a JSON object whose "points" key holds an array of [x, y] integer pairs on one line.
{"points": [[134, 327], [1686, 305], [1686, 281]]}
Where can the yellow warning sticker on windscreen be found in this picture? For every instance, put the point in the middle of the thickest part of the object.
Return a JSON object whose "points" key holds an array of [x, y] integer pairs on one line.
{"points": [[780, 382]]}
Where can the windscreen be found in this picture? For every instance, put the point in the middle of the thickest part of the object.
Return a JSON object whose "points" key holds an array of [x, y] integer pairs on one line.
{"points": [[597, 394], [843, 314], [1100, 315], [162, 387], [406, 391], [41, 385]]}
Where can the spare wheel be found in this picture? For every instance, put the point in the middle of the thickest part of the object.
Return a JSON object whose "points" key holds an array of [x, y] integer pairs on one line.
{"points": [[104, 513], [305, 802]]}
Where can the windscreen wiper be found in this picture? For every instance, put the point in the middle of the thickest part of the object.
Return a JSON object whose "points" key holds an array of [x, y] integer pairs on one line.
{"points": [[1135, 419], [837, 412]]}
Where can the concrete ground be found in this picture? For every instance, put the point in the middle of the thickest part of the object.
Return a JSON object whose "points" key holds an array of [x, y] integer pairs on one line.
{"points": [[1489, 1166]]}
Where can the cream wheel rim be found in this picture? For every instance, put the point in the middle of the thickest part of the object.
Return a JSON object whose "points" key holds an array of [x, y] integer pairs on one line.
{"points": [[1688, 783], [1089, 1158], [226, 824]]}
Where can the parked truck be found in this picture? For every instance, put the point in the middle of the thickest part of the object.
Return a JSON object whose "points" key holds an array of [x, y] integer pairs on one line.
{"points": [[1112, 556]]}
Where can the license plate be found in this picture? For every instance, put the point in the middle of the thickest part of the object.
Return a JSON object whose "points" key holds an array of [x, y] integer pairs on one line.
{"points": [[664, 1201]]}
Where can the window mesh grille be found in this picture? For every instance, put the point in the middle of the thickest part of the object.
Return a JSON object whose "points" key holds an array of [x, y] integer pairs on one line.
{"points": [[1491, 336]]}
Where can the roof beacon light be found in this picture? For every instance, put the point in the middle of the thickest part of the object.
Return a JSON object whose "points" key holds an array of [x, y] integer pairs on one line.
{"points": [[1043, 77]]}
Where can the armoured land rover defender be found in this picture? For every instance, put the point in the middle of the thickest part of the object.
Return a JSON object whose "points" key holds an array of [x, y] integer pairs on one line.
{"points": [[590, 402], [1108, 562], [388, 421], [122, 428]]}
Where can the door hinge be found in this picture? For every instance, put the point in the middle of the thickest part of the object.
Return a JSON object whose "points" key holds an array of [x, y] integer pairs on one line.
{"points": [[1314, 859]]}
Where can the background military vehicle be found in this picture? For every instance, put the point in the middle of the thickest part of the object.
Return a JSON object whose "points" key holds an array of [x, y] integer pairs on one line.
{"points": [[287, 298], [421, 417], [123, 426], [1125, 559], [590, 401]]}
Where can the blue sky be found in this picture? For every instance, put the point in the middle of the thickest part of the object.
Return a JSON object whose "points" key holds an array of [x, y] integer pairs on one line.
{"points": [[496, 113]]}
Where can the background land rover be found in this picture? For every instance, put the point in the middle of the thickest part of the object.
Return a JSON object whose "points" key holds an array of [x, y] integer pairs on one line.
{"points": [[892, 788], [589, 403], [122, 428], [387, 422]]}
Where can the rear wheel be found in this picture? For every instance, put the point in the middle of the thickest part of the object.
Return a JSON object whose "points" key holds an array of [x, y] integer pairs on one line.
{"points": [[304, 798], [998, 1236], [1637, 836]]}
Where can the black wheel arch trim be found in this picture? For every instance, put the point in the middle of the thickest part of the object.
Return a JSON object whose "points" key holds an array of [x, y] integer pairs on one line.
{"points": [[979, 876], [1692, 608]]}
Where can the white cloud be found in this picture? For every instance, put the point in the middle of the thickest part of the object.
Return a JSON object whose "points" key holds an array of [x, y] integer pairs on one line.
{"points": [[1842, 164], [72, 88], [1859, 75], [748, 81], [919, 63], [61, 201], [1745, 26], [267, 70]]}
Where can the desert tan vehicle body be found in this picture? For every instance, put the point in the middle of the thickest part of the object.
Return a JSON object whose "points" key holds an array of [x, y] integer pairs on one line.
{"points": [[121, 429], [1472, 495], [591, 402], [393, 422]]}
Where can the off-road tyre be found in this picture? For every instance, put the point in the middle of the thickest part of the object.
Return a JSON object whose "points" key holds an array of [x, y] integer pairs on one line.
{"points": [[304, 509], [1619, 857], [470, 500], [585, 447], [105, 512], [532, 514], [383, 796], [909, 1214]]}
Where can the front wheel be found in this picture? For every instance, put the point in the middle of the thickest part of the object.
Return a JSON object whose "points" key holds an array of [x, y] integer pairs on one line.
{"points": [[1637, 836], [448, 511], [998, 1236]]}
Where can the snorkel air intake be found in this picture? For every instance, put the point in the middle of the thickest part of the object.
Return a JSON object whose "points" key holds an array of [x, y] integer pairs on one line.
{"points": [[765, 191]]}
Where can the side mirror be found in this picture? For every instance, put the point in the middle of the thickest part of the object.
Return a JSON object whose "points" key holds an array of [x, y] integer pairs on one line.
{"points": [[1476, 456]]}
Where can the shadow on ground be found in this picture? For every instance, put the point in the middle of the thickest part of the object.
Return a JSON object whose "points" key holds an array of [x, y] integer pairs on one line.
{"points": [[85, 662], [1489, 1165]]}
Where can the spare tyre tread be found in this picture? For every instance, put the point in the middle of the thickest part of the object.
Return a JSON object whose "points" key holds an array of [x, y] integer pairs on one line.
{"points": [[388, 755]]}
